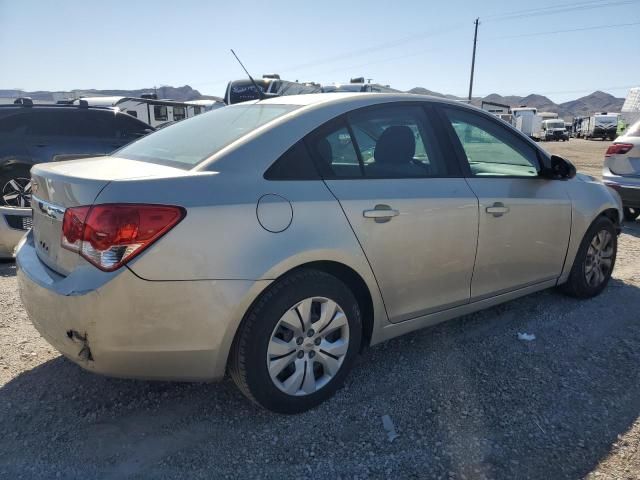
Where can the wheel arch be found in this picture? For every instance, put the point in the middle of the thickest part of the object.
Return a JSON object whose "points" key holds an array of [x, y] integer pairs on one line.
{"points": [[341, 271], [10, 164]]}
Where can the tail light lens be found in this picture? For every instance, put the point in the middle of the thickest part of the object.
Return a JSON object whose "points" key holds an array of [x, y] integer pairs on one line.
{"points": [[108, 236], [618, 148]]}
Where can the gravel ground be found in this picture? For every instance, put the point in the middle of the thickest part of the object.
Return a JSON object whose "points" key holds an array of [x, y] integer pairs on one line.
{"points": [[467, 398]]}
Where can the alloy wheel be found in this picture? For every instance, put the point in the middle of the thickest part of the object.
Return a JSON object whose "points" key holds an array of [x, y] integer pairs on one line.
{"points": [[308, 346], [17, 192], [599, 259]]}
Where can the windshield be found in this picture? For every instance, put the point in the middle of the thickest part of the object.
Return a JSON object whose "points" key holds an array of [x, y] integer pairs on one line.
{"points": [[189, 142], [555, 124]]}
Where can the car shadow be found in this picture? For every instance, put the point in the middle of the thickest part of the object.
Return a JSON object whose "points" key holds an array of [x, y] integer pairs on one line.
{"points": [[631, 228], [467, 398], [7, 268]]}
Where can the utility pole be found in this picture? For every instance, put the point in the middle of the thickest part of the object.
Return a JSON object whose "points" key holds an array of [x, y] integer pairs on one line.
{"points": [[473, 58]]}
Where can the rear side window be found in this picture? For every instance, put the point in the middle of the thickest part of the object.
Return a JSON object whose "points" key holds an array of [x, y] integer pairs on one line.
{"points": [[73, 123], [13, 123], [294, 164], [130, 128], [394, 141], [187, 143], [335, 152]]}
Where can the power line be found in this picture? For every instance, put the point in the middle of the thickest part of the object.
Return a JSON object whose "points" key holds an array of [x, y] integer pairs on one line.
{"points": [[595, 27], [563, 8], [554, 10]]}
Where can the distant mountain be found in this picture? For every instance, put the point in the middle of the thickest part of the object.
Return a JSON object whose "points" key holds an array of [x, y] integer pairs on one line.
{"points": [[180, 94], [596, 102]]}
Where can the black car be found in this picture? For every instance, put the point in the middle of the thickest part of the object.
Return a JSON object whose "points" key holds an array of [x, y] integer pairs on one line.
{"points": [[31, 134]]}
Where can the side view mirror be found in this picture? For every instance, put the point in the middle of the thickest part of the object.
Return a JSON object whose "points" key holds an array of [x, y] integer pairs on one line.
{"points": [[558, 168]]}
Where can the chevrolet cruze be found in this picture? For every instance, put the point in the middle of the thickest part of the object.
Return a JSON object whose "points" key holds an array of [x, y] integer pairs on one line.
{"points": [[274, 239]]}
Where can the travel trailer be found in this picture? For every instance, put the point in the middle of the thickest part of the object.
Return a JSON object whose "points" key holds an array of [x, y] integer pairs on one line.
{"points": [[601, 125], [151, 110]]}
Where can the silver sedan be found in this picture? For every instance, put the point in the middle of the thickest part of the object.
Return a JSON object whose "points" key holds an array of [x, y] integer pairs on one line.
{"points": [[275, 239]]}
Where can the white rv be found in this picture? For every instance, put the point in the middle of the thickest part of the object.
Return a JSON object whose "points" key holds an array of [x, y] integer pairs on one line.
{"points": [[153, 111], [527, 120], [553, 129]]}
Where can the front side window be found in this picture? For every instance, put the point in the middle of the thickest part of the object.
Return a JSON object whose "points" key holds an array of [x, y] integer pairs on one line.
{"points": [[490, 149], [187, 143], [160, 113]]}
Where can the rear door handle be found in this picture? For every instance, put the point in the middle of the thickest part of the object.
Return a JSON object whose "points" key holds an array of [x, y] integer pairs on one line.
{"points": [[497, 209], [381, 213]]}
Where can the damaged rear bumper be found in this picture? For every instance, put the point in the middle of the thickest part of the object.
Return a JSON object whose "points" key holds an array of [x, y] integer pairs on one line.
{"points": [[120, 325]]}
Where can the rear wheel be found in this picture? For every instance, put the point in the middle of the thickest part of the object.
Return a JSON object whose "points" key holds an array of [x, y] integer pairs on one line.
{"points": [[15, 188], [297, 343], [594, 261], [631, 213]]}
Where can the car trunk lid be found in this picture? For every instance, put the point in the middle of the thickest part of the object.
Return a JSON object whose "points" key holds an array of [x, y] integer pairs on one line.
{"points": [[58, 186]]}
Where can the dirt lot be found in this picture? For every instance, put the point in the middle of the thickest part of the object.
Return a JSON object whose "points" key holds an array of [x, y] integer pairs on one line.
{"points": [[468, 400]]}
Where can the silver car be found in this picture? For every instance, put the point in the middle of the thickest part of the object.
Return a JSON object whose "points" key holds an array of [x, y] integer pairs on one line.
{"points": [[621, 170], [275, 239]]}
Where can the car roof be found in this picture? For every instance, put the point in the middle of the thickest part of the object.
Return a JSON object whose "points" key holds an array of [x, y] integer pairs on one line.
{"points": [[348, 97]]}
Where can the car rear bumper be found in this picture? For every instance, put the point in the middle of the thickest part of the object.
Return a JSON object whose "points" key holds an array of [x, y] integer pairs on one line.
{"points": [[120, 325], [627, 188], [14, 223]]}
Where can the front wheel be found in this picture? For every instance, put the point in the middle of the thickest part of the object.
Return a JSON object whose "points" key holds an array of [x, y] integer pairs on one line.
{"points": [[630, 213], [594, 261], [15, 188], [297, 343]]}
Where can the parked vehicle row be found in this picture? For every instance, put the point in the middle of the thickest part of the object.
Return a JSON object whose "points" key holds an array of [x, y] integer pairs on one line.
{"points": [[348, 219], [621, 170], [31, 134]]}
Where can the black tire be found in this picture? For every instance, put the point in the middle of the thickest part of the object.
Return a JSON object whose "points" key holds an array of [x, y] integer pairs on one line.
{"points": [[22, 176], [631, 214], [248, 357], [577, 285]]}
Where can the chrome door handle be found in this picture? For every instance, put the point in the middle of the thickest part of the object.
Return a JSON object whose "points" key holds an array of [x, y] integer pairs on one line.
{"points": [[381, 213], [497, 209]]}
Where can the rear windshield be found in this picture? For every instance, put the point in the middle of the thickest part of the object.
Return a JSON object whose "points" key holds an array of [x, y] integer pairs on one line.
{"points": [[189, 142]]}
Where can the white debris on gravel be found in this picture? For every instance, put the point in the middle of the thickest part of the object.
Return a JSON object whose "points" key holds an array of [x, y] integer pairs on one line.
{"points": [[526, 337], [388, 425]]}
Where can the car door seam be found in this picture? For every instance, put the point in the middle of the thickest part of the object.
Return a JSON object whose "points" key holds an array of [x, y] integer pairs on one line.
{"points": [[361, 247], [475, 257]]}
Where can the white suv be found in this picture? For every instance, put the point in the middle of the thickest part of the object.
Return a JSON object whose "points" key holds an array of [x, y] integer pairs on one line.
{"points": [[621, 170]]}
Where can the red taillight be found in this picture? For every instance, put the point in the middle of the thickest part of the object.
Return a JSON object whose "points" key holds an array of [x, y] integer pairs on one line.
{"points": [[618, 148], [110, 235]]}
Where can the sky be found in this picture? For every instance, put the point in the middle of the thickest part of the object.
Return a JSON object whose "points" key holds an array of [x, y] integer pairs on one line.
{"points": [[562, 49]]}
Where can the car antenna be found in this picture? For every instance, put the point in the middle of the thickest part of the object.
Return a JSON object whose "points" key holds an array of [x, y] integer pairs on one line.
{"points": [[258, 89]]}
